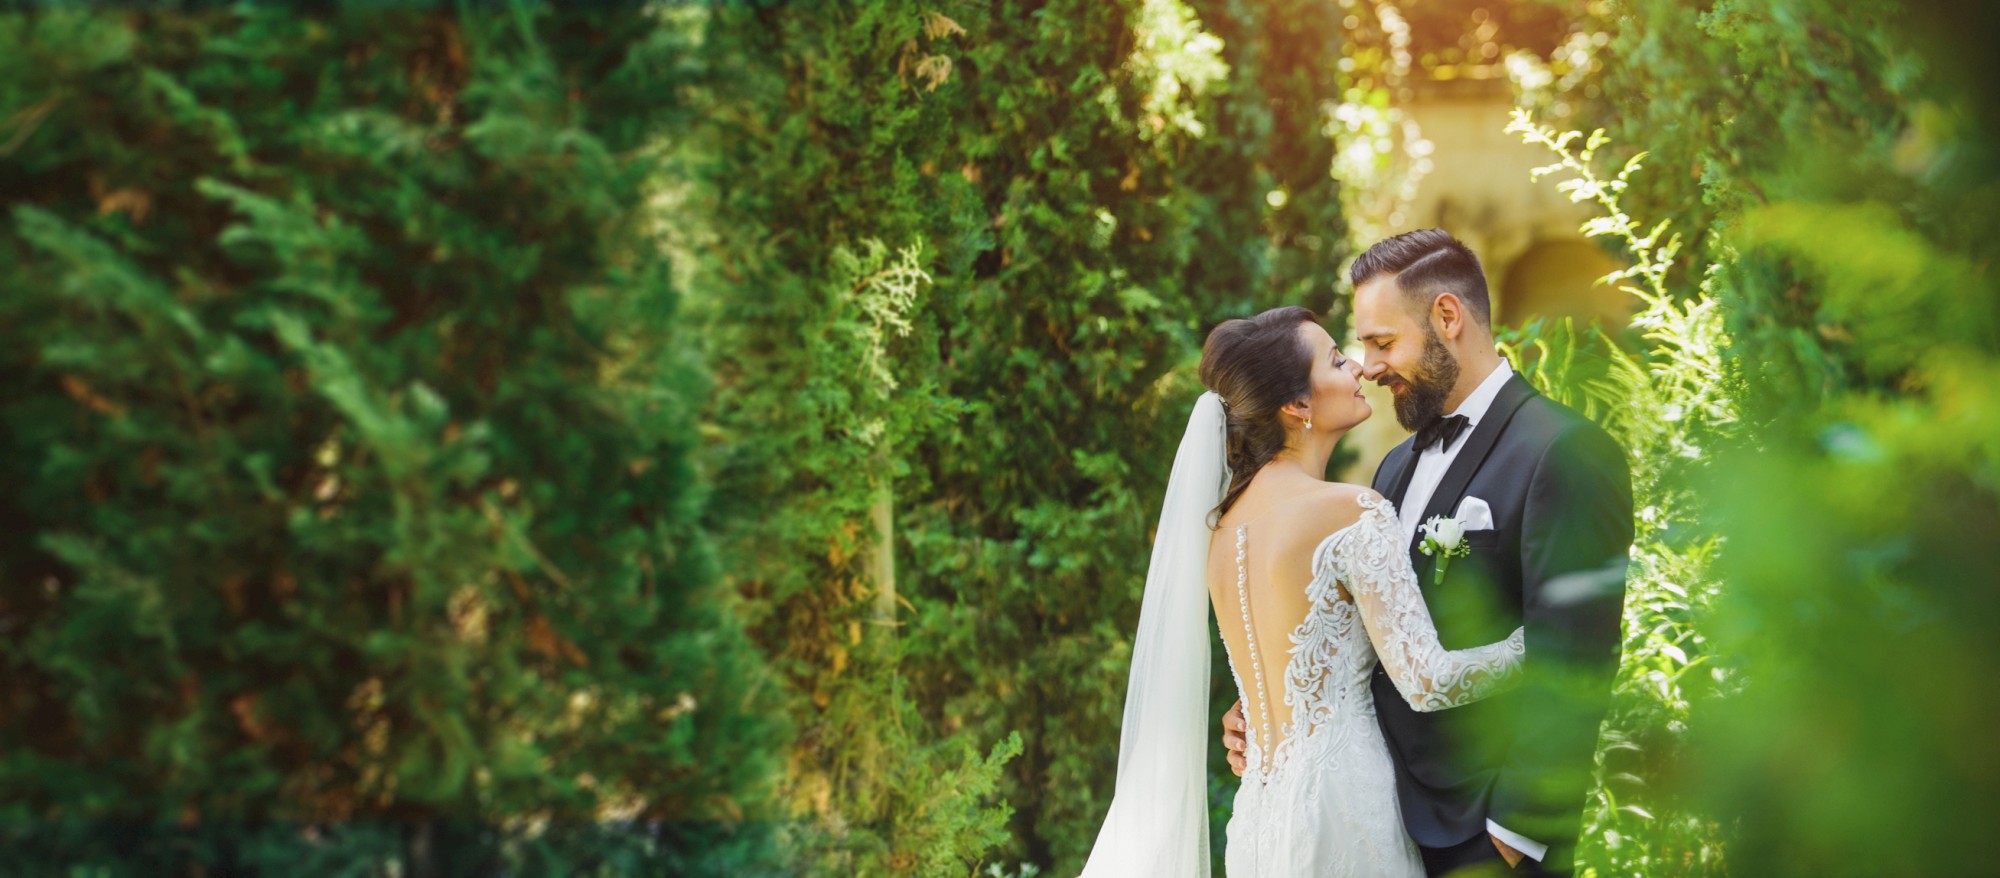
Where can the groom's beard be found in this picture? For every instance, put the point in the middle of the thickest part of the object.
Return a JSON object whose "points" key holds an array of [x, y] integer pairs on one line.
{"points": [[1423, 403]]}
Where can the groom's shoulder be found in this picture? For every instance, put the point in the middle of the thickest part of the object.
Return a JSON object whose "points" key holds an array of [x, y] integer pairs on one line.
{"points": [[1544, 421], [1551, 430]]}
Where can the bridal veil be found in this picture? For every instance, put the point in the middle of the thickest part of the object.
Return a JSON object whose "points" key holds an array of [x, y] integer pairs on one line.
{"points": [[1158, 823]]}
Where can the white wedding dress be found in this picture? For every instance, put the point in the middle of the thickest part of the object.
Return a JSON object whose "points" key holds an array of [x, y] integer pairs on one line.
{"points": [[1319, 795]]}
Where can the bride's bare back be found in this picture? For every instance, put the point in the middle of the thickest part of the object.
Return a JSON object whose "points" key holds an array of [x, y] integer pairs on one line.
{"points": [[1273, 527], [1312, 585]]}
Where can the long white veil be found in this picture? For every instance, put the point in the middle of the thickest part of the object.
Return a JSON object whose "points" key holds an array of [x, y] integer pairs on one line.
{"points": [[1158, 823]]}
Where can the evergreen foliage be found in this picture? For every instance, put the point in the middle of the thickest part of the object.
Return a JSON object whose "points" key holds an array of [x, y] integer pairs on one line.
{"points": [[1837, 170], [347, 429], [1863, 283], [1085, 187], [378, 505], [1669, 403]]}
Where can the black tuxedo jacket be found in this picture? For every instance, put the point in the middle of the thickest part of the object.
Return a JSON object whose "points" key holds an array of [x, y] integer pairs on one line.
{"points": [[1554, 563]]}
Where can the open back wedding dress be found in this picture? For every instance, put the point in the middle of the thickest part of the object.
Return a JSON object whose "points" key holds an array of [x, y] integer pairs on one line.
{"points": [[1319, 795]]}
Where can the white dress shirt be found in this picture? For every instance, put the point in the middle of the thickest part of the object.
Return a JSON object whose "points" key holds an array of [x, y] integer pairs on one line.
{"points": [[1431, 467], [1433, 462]]}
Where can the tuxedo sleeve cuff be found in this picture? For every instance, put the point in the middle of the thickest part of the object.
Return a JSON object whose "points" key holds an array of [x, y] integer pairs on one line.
{"points": [[1533, 849]]}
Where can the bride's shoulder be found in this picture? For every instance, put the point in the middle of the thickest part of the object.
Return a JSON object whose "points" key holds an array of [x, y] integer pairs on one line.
{"points": [[1335, 505]]}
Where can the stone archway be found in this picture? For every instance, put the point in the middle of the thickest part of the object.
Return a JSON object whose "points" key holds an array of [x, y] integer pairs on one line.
{"points": [[1554, 279]]}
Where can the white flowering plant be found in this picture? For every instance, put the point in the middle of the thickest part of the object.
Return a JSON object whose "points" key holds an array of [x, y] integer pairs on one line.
{"points": [[1444, 538]]}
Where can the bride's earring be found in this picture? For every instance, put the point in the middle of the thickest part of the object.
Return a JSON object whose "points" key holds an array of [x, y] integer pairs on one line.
{"points": [[1309, 425]]}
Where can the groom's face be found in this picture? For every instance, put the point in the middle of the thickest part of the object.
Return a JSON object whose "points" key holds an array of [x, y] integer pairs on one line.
{"points": [[1403, 352]]}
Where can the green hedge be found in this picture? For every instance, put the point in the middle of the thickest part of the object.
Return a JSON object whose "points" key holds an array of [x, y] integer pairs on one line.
{"points": [[1089, 186], [347, 419]]}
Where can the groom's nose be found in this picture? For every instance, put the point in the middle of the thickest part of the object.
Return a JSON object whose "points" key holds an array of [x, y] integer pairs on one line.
{"points": [[1371, 368]]}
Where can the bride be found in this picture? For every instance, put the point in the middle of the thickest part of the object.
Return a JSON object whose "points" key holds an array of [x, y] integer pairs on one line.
{"points": [[1312, 585]]}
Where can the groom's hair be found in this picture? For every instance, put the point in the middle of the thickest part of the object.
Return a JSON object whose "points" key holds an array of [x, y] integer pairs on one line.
{"points": [[1427, 263]]}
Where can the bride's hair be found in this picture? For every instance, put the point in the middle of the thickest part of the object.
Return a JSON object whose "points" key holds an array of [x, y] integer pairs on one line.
{"points": [[1256, 365]]}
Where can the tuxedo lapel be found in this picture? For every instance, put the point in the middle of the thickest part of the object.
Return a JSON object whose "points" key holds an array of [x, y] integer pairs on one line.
{"points": [[1451, 488], [1396, 472]]}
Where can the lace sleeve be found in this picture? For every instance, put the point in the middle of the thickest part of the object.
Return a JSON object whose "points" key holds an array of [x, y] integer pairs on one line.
{"points": [[1374, 563]]}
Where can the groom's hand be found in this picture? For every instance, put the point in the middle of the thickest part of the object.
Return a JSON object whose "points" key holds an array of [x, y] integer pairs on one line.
{"points": [[1232, 737]]}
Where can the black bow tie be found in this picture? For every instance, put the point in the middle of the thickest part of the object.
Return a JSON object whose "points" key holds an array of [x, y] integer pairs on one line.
{"points": [[1441, 432]]}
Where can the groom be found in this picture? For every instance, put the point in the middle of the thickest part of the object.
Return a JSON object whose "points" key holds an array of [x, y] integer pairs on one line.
{"points": [[1498, 784]]}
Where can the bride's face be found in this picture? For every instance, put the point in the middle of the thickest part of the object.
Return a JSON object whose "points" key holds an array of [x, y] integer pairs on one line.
{"points": [[1337, 404]]}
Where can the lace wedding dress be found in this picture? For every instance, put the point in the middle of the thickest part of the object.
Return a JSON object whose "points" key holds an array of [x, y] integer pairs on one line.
{"points": [[1319, 795]]}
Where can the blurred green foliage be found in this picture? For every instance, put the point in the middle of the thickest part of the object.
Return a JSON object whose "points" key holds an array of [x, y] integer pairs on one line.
{"points": [[1834, 165], [1864, 519], [348, 423]]}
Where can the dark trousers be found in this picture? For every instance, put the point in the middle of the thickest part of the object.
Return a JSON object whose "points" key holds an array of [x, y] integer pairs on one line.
{"points": [[1476, 857]]}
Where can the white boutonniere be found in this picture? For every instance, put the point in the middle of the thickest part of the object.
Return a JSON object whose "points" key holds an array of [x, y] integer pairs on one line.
{"points": [[1444, 539]]}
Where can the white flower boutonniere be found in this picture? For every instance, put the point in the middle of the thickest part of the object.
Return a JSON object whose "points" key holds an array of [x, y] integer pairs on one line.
{"points": [[1444, 538]]}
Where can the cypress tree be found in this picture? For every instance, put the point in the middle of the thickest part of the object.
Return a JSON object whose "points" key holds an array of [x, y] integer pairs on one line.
{"points": [[348, 417], [1071, 193]]}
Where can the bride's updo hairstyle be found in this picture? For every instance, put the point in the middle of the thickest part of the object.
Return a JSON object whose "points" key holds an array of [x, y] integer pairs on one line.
{"points": [[1256, 365]]}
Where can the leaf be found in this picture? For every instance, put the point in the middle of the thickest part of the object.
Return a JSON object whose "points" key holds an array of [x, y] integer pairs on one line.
{"points": [[936, 26], [936, 69], [80, 390], [1674, 651]]}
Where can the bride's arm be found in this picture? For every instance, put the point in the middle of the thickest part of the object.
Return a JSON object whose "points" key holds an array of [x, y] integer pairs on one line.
{"points": [[1375, 566]]}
